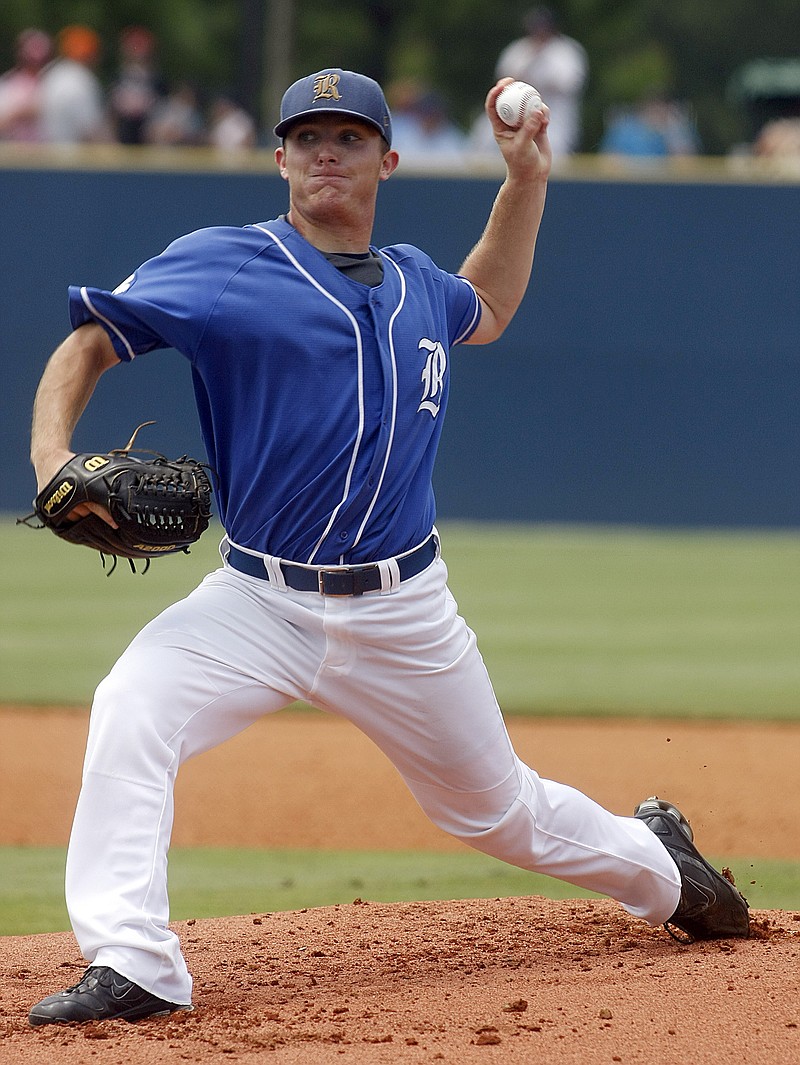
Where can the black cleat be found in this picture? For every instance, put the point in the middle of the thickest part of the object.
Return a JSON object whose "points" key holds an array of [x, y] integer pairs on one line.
{"points": [[101, 995], [710, 906]]}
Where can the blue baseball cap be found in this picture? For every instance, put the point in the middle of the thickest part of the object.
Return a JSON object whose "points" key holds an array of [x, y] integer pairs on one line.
{"points": [[339, 92]]}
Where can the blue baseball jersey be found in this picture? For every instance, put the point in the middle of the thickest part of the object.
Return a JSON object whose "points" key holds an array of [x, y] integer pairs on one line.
{"points": [[320, 399]]}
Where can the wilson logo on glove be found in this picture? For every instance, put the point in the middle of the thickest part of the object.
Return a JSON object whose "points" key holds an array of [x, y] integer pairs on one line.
{"points": [[96, 462], [61, 493]]}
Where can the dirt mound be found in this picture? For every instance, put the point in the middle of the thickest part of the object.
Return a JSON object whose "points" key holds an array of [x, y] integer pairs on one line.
{"points": [[511, 980], [498, 981]]}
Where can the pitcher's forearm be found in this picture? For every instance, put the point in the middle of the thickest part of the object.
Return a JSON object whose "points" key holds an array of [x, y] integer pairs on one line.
{"points": [[500, 264], [66, 387]]}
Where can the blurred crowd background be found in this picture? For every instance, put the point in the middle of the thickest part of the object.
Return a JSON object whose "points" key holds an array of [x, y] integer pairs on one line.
{"points": [[637, 80]]}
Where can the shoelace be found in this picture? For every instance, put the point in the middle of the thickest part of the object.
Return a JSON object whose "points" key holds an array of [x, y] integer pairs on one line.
{"points": [[680, 935]]}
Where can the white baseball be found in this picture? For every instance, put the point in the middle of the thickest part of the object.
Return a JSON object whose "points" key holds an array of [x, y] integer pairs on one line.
{"points": [[516, 102]]}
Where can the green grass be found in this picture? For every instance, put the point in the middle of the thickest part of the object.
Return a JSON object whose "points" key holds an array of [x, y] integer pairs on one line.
{"points": [[217, 882], [65, 622], [588, 620], [573, 620]]}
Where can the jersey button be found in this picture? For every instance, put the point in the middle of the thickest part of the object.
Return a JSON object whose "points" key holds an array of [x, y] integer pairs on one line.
{"points": [[344, 535]]}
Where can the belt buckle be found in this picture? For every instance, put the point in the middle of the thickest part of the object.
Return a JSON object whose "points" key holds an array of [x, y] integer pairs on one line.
{"points": [[325, 576]]}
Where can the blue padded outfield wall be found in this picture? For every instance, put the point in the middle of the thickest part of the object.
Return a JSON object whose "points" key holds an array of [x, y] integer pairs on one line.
{"points": [[652, 375]]}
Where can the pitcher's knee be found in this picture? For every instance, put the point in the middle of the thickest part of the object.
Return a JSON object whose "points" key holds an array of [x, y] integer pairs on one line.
{"points": [[124, 731], [469, 816]]}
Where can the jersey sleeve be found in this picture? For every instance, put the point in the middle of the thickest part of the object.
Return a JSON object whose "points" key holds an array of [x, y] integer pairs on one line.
{"points": [[165, 303], [462, 307], [469, 309]]}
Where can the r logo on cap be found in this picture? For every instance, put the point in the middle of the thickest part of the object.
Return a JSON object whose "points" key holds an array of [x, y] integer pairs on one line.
{"points": [[335, 91], [325, 87]]}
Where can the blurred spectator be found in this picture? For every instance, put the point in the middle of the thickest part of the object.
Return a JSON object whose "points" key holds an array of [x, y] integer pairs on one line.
{"points": [[780, 140], [231, 128], [73, 110], [427, 134], [630, 131], [20, 87], [176, 119], [655, 127], [557, 66], [137, 86], [679, 128], [403, 95], [481, 140], [422, 129]]}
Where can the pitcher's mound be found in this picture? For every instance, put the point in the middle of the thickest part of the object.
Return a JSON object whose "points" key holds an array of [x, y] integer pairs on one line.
{"points": [[503, 980]]}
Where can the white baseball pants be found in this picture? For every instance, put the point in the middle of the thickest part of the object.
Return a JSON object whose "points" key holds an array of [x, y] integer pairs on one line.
{"points": [[403, 667]]}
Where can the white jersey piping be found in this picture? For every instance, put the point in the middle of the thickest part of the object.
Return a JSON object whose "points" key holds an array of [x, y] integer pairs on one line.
{"points": [[393, 357], [360, 354], [475, 313]]}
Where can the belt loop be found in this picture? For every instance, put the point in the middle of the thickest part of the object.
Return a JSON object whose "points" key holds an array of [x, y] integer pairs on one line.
{"points": [[224, 549], [390, 576], [276, 576]]}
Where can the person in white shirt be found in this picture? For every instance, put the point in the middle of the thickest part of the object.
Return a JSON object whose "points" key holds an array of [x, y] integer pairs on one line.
{"points": [[558, 67], [72, 101]]}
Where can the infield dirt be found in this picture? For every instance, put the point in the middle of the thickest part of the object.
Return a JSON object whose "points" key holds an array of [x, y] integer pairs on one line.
{"points": [[499, 980]]}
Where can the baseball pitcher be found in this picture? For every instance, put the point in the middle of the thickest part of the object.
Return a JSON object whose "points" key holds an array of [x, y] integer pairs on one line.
{"points": [[321, 368]]}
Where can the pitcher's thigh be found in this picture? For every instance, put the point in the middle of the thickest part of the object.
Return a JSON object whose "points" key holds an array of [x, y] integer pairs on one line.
{"points": [[176, 690], [441, 726]]}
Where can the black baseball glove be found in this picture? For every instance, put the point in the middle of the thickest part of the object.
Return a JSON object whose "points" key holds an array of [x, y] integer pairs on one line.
{"points": [[160, 505]]}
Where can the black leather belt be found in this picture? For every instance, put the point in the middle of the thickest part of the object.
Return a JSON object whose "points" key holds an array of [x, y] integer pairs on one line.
{"points": [[341, 580]]}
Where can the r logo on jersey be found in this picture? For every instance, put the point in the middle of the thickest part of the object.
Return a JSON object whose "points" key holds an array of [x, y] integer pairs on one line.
{"points": [[325, 87], [432, 376]]}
